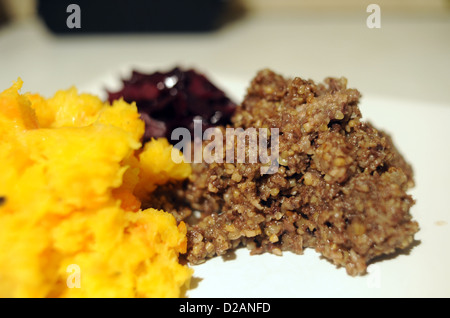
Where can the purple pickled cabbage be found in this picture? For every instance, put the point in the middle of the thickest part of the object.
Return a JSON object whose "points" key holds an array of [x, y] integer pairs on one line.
{"points": [[173, 99]]}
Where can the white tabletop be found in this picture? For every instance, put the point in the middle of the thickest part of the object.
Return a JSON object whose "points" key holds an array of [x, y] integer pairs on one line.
{"points": [[407, 58]]}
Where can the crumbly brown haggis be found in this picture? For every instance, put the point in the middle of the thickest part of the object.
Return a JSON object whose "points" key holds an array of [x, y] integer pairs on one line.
{"points": [[340, 187]]}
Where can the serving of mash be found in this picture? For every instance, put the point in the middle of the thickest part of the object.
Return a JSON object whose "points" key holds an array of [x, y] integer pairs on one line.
{"points": [[73, 175]]}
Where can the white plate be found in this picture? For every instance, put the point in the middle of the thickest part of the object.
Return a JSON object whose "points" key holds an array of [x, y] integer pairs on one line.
{"points": [[420, 131]]}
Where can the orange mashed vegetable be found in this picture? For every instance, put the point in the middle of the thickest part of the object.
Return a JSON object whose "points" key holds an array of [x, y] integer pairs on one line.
{"points": [[73, 175]]}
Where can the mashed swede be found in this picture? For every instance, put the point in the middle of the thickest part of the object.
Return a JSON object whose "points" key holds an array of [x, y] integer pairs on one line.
{"points": [[72, 177]]}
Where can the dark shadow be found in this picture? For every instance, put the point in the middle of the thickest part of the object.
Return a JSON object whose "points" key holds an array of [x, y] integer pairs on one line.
{"points": [[195, 281], [3, 14], [229, 256], [234, 11]]}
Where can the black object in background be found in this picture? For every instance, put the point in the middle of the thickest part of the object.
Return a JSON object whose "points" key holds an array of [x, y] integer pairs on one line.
{"points": [[3, 14], [117, 16]]}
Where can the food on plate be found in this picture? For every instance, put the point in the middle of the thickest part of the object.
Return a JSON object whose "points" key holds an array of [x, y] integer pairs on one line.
{"points": [[72, 181], [92, 203], [340, 186], [172, 99]]}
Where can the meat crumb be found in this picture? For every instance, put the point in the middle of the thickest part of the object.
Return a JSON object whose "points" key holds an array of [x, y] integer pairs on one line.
{"points": [[341, 187]]}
